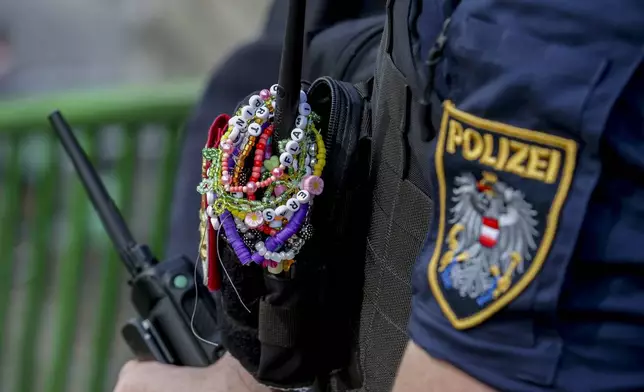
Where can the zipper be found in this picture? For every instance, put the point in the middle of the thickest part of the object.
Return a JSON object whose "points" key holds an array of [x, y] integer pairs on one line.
{"points": [[342, 130]]}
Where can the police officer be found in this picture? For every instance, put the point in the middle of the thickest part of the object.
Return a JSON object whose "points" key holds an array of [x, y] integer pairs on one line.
{"points": [[531, 277]]}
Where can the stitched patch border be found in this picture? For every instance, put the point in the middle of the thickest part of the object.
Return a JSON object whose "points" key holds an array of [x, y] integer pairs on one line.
{"points": [[491, 150]]}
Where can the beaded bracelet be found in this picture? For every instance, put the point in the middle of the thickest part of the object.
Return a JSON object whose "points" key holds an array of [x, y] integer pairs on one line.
{"points": [[262, 200]]}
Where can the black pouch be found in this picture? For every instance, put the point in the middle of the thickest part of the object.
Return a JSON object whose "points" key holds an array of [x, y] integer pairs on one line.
{"points": [[292, 333]]}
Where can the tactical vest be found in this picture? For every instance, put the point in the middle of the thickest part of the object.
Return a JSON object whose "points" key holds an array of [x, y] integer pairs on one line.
{"points": [[401, 208]]}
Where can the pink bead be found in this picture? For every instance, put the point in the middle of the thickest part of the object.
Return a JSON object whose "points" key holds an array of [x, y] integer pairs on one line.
{"points": [[225, 180], [251, 187], [265, 94], [278, 172], [257, 170], [273, 178], [279, 190], [313, 184], [226, 148], [225, 173], [227, 188], [245, 189], [254, 219]]}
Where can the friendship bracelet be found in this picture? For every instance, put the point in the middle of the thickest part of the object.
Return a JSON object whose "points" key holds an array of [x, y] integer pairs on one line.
{"points": [[261, 190]]}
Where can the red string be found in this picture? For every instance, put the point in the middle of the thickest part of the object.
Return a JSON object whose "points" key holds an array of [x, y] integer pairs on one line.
{"points": [[215, 133]]}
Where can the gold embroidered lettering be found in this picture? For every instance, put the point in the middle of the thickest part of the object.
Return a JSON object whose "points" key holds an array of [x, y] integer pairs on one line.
{"points": [[504, 153], [472, 144], [517, 159], [454, 137], [537, 163], [553, 167], [488, 149]]}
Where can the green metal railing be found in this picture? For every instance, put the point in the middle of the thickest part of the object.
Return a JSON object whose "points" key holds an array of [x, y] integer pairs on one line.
{"points": [[60, 282]]}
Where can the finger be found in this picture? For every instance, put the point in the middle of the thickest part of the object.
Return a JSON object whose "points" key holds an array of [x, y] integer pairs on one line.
{"points": [[129, 367]]}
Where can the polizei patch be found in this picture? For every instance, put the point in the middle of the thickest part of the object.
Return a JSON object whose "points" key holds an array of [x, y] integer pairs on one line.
{"points": [[501, 190]]}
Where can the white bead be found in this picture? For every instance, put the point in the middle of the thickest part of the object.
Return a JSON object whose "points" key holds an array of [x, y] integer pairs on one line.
{"points": [[303, 196], [302, 96], [297, 134], [255, 129], [255, 101], [237, 140], [275, 257], [281, 210], [260, 245], [276, 224], [304, 109], [234, 134], [301, 121], [289, 255], [307, 160], [293, 147], [210, 197], [293, 204], [268, 255], [239, 195], [262, 251], [243, 230], [247, 112], [296, 165], [262, 113], [237, 121], [215, 223], [210, 211], [278, 268], [286, 159], [238, 221], [273, 89], [268, 214], [309, 171]]}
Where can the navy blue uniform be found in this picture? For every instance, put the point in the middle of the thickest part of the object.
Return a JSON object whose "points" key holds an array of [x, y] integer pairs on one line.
{"points": [[532, 276]]}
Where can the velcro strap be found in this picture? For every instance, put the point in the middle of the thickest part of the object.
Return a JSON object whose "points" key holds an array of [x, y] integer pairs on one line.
{"points": [[277, 325]]}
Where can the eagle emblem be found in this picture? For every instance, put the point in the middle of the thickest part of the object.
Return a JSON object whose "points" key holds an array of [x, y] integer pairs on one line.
{"points": [[500, 192], [493, 233]]}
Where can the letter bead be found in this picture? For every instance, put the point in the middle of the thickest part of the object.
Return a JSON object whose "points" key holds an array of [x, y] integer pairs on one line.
{"points": [[255, 129], [297, 134], [255, 101], [281, 210], [304, 109], [247, 112], [237, 121], [269, 214], [262, 113], [303, 196], [273, 90], [301, 121], [302, 96], [286, 159], [293, 205], [293, 147]]}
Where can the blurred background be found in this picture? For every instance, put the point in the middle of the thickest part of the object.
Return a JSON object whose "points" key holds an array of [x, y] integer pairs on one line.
{"points": [[126, 74]]}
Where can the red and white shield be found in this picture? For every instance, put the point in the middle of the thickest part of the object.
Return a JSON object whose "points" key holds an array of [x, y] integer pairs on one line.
{"points": [[489, 232]]}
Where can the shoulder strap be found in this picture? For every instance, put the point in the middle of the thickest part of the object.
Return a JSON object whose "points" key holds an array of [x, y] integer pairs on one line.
{"points": [[429, 98]]}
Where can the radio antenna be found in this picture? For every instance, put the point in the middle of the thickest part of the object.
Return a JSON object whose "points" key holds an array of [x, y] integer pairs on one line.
{"points": [[135, 256], [289, 81]]}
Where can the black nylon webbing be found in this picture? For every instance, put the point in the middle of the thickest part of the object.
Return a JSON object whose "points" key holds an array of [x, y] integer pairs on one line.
{"points": [[397, 228], [277, 325]]}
